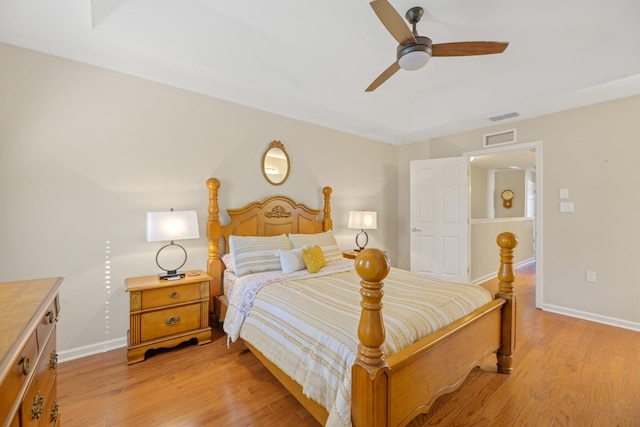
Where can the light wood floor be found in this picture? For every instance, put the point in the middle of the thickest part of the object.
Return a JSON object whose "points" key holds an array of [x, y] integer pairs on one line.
{"points": [[568, 372]]}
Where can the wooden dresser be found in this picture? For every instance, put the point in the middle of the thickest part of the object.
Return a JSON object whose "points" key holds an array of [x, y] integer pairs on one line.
{"points": [[28, 360], [165, 313]]}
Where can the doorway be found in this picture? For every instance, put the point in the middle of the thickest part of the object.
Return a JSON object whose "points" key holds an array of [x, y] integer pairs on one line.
{"points": [[526, 157]]}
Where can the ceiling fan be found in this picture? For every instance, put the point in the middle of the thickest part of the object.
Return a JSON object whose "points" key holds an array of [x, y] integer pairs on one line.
{"points": [[414, 51]]}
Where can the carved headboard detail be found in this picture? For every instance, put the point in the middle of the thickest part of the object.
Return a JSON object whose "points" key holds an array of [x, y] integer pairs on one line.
{"points": [[269, 217], [278, 212]]}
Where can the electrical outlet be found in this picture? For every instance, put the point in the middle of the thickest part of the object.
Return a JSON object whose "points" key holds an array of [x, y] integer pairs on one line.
{"points": [[591, 276], [566, 207]]}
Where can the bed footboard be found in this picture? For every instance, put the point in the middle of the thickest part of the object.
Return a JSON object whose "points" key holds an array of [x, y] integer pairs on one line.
{"points": [[385, 391]]}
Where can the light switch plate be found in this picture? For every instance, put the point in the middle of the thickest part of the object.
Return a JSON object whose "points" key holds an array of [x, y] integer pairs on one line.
{"points": [[564, 193]]}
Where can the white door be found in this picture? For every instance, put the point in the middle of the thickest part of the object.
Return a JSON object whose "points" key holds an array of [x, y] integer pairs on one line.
{"points": [[439, 204]]}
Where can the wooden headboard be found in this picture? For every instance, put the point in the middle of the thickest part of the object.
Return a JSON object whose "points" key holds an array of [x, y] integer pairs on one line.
{"points": [[269, 217]]}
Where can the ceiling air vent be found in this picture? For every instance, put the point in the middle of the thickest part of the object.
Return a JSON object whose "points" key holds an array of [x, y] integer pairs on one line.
{"points": [[499, 138], [504, 117]]}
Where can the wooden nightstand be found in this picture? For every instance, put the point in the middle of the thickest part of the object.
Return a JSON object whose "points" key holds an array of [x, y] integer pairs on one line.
{"points": [[165, 313]]}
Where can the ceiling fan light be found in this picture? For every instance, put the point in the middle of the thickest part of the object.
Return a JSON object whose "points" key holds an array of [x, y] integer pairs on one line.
{"points": [[414, 60]]}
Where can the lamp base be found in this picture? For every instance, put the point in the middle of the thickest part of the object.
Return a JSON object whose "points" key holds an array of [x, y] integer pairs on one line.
{"points": [[366, 240], [171, 275]]}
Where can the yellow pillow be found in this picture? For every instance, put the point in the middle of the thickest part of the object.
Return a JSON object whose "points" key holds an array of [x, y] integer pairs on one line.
{"points": [[314, 259]]}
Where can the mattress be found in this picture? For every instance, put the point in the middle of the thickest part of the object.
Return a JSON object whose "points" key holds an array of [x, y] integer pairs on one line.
{"points": [[307, 325]]}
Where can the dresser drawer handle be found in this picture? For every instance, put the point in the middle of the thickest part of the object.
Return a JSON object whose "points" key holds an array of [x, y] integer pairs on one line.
{"points": [[172, 321], [36, 409], [24, 361], [54, 412], [53, 360], [174, 295], [49, 316]]}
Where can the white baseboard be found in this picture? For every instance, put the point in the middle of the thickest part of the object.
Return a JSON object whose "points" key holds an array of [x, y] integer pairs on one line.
{"points": [[612, 321], [89, 350]]}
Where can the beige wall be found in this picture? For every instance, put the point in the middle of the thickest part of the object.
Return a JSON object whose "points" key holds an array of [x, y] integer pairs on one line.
{"points": [[593, 152], [85, 152], [514, 181], [478, 179]]}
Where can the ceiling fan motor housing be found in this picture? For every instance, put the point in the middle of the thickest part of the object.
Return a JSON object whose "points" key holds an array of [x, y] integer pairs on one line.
{"points": [[420, 53]]}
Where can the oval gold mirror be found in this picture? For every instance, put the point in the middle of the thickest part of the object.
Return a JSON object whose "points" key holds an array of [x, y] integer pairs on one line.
{"points": [[275, 163]]}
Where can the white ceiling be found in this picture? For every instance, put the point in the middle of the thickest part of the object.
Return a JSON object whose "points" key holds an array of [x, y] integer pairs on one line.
{"points": [[313, 60]]}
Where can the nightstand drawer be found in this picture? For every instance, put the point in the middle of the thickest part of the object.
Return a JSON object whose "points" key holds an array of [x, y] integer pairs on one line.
{"points": [[161, 297], [174, 320]]}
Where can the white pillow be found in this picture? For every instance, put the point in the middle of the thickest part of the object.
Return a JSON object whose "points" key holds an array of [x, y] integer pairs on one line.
{"points": [[291, 260], [325, 240], [253, 254]]}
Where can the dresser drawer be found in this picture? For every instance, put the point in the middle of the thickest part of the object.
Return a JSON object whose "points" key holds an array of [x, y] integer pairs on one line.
{"points": [[21, 367], [51, 413], [34, 405], [173, 320], [160, 297]]}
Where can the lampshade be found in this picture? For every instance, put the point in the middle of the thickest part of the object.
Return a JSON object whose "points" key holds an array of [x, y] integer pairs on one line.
{"points": [[363, 220], [172, 225], [414, 60]]}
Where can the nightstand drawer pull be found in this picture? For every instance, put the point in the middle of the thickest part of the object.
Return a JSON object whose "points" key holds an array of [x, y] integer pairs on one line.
{"points": [[172, 321], [49, 316], [174, 295]]}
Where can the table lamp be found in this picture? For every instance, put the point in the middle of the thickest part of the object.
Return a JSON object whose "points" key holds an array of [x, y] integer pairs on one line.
{"points": [[171, 226], [362, 220]]}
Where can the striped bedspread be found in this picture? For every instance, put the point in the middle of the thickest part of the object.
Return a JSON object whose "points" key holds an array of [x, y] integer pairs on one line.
{"points": [[308, 327]]}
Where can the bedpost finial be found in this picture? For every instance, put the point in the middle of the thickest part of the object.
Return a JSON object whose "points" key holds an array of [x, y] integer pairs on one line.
{"points": [[507, 240], [213, 183], [372, 265], [326, 190]]}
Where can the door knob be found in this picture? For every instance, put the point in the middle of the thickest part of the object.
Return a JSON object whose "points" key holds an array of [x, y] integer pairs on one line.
{"points": [[415, 229]]}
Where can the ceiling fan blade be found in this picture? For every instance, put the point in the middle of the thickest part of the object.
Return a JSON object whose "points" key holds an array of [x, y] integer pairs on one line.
{"points": [[468, 48], [383, 77], [393, 22]]}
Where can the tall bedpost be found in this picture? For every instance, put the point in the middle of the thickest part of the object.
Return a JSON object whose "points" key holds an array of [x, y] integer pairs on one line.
{"points": [[369, 386], [327, 223], [507, 242], [213, 235]]}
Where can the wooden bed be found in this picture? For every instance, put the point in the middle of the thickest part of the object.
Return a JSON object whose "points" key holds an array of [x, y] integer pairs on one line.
{"points": [[384, 391]]}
